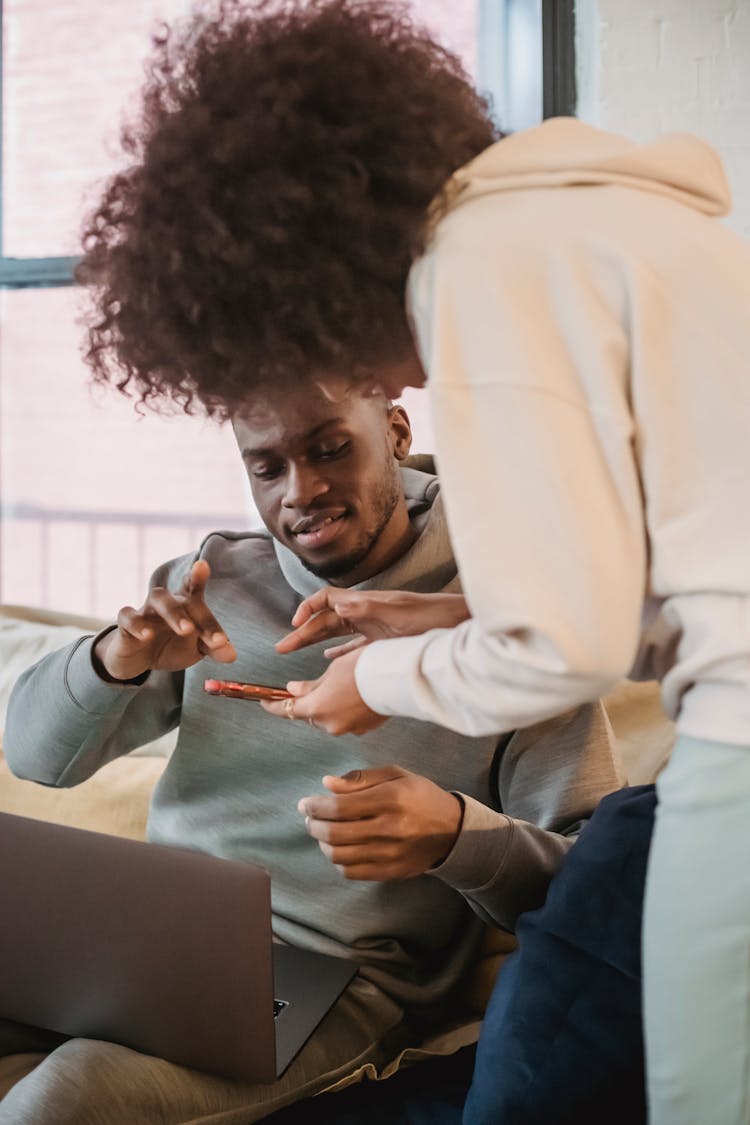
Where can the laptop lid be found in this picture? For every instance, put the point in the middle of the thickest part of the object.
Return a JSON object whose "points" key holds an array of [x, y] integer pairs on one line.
{"points": [[159, 948]]}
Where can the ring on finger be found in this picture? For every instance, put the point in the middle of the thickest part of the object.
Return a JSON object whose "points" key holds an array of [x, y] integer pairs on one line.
{"points": [[289, 708], [348, 624]]}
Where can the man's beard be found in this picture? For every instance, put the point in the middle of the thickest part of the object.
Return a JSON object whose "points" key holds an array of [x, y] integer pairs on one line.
{"points": [[345, 564]]}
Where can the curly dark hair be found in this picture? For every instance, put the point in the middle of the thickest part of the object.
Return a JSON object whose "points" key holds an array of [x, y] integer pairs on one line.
{"points": [[280, 170]]}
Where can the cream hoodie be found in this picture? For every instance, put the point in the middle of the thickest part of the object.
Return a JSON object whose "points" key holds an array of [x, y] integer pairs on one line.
{"points": [[584, 320]]}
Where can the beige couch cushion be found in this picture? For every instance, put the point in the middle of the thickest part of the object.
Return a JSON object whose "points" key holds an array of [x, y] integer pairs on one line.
{"points": [[114, 800]]}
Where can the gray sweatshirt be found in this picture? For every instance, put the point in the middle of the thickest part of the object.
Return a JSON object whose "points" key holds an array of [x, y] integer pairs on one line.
{"points": [[232, 785]]}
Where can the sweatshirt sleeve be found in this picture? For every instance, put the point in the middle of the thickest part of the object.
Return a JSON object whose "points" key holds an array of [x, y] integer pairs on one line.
{"points": [[550, 779], [64, 721], [542, 495]]}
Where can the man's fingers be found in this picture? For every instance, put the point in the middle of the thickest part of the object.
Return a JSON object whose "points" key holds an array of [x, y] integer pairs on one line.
{"points": [[352, 798], [212, 636], [211, 632], [134, 624], [185, 614], [356, 780], [339, 833], [196, 578], [371, 872], [365, 863], [225, 653], [163, 607], [322, 807]]}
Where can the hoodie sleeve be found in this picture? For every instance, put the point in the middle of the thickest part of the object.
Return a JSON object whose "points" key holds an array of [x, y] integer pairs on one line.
{"points": [[541, 488], [550, 779], [65, 721]]}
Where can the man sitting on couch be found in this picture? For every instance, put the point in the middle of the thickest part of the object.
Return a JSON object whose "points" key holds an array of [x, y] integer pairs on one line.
{"points": [[327, 473]]}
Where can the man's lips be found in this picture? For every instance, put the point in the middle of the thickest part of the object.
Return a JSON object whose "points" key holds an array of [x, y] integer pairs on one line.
{"points": [[319, 529]]}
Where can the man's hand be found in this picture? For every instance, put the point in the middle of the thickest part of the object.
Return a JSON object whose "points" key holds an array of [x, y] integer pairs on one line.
{"points": [[372, 614], [331, 702], [170, 632], [384, 823]]}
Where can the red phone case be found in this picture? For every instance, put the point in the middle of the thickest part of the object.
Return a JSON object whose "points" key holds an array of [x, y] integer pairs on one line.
{"points": [[235, 690]]}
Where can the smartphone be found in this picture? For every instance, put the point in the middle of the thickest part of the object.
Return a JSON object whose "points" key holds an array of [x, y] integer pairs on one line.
{"points": [[235, 690]]}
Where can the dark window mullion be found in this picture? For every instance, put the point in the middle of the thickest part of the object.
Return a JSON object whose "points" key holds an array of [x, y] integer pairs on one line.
{"points": [[26, 273], [558, 58]]}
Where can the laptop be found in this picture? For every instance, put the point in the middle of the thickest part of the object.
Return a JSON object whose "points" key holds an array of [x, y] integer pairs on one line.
{"points": [[162, 949]]}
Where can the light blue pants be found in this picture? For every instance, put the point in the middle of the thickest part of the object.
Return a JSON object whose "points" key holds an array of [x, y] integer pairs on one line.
{"points": [[696, 943]]}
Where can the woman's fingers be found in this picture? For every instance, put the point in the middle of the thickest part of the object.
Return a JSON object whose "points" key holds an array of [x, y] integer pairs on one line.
{"points": [[375, 614], [332, 703], [327, 613], [310, 606], [341, 650], [324, 625]]}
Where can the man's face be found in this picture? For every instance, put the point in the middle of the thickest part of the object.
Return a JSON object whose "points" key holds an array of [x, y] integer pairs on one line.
{"points": [[323, 467]]}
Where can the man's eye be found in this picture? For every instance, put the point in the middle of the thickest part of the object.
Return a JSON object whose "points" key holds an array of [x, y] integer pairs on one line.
{"points": [[333, 453], [267, 472]]}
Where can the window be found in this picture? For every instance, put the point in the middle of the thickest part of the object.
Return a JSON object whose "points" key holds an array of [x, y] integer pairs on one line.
{"points": [[92, 498]]}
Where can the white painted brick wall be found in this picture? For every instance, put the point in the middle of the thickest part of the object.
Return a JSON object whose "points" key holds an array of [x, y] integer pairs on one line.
{"points": [[652, 66]]}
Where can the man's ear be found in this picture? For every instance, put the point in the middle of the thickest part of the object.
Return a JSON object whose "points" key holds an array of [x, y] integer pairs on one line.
{"points": [[399, 428]]}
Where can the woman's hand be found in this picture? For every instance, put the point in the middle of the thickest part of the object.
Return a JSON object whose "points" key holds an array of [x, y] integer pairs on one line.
{"points": [[372, 615], [384, 823], [169, 631], [332, 702]]}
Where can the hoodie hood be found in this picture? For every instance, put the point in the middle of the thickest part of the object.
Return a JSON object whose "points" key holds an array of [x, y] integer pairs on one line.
{"points": [[565, 152]]}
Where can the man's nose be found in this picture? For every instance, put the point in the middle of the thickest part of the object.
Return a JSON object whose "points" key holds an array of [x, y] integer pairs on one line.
{"points": [[304, 484]]}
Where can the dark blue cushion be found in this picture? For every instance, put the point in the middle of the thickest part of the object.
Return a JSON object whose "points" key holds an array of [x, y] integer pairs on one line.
{"points": [[562, 1038]]}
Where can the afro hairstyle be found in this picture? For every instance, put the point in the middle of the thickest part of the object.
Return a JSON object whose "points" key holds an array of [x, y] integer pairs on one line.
{"points": [[278, 177]]}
